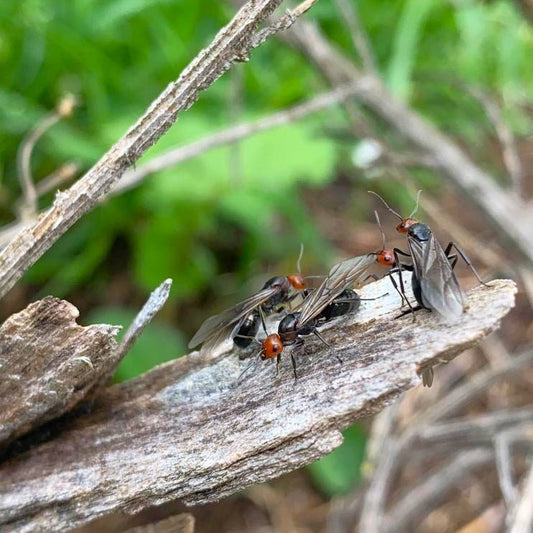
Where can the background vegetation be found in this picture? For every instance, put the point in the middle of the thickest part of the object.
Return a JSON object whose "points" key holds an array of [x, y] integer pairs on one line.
{"points": [[219, 223]]}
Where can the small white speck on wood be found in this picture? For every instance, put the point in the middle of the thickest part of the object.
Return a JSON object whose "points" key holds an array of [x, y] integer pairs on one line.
{"points": [[190, 430]]}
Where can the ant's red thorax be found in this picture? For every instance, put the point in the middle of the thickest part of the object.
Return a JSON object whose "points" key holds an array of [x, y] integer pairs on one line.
{"points": [[272, 346], [405, 224], [297, 281]]}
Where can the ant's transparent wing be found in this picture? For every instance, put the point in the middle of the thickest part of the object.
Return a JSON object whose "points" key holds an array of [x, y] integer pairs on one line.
{"points": [[221, 336], [221, 322], [439, 287], [340, 277]]}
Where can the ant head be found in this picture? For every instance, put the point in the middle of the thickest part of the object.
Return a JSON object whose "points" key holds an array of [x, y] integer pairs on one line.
{"points": [[386, 257], [297, 281], [272, 346], [405, 224]]}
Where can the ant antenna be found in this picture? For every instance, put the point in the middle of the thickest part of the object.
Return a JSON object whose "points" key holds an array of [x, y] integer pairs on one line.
{"points": [[298, 263], [419, 192], [253, 362], [386, 204], [380, 229]]}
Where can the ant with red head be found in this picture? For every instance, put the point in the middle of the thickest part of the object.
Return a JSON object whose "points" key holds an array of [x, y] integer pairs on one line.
{"points": [[332, 299], [242, 321], [434, 283]]}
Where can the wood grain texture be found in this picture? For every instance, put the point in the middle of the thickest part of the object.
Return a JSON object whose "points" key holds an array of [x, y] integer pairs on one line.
{"points": [[190, 430], [48, 363]]}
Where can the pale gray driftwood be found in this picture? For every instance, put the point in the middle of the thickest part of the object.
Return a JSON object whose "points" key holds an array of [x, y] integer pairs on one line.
{"points": [[48, 363], [191, 430]]}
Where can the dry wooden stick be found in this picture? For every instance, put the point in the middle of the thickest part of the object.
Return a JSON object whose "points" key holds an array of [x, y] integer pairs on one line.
{"points": [[48, 363], [176, 156], [434, 489], [190, 430], [522, 521], [508, 213], [232, 43], [28, 206]]}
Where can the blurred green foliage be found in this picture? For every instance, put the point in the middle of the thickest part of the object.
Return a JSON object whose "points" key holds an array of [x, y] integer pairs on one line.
{"points": [[238, 209], [157, 344], [337, 473]]}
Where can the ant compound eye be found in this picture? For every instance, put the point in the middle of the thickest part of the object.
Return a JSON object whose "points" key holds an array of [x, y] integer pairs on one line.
{"points": [[401, 228]]}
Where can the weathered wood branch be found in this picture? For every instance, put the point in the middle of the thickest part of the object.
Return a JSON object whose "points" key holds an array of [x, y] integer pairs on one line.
{"points": [[48, 363], [232, 43], [191, 430]]}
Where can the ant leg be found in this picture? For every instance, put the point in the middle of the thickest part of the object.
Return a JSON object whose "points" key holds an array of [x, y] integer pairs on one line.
{"points": [[402, 286], [327, 344], [368, 299], [293, 361], [452, 260], [395, 285], [253, 362], [465, 258], [427, 377], [278, 363], [263, 320], [400, 275], [409, 311]]}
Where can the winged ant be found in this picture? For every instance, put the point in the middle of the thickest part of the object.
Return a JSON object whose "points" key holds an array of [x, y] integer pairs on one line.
{"points": [[434, 283]]}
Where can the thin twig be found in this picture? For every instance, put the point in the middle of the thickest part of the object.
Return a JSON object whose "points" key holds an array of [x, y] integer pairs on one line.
{"points": [[523, 519], [29, 205], [510, 156], [283, 23], [59, 177], [64, 109], [475, 430], [376, 494], [155, 302], [133, 177], [420, 500], [502, 449], [358, 35]]}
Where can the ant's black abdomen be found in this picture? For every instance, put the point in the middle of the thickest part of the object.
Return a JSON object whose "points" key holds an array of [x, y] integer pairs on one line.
{"points": [[248, 330], [347, 302]]}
